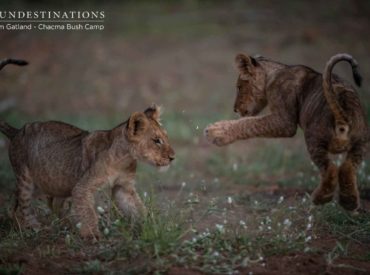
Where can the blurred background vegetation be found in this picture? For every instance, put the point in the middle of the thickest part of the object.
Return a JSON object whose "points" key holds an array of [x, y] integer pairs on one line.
{"points": [[178, 54]]}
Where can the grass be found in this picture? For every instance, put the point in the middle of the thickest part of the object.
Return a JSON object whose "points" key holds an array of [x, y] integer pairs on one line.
{"points": [[173, 234]]}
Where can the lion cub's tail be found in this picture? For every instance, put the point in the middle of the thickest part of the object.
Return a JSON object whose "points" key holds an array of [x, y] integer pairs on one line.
{"points": [[7, 61], [5, 128], [341, 120], [8, 130]]}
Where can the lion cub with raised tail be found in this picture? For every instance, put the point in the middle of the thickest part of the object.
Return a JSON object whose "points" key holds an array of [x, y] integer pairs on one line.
{"points": [[327, 109], [62, 160]]}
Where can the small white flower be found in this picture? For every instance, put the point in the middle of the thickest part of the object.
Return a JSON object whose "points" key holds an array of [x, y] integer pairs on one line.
{"points": [[183, 184], [309, 226], [78, 225], [309, 238], [216, 254], [197, 128], [287, 223], [242, 223], [260, 258], [281, 199], [310, 218], [220, 228], [229, 200], [269, 227], [260, 228], [106, 231], [225, 221], [145, 194], [255, 202], [304, 199], [100, 209], [235, 166]]}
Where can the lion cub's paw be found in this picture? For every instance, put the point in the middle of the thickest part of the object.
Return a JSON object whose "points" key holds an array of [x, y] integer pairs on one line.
{"points": [[320, 197], [91, 234], [219, 133], [349, 202]]}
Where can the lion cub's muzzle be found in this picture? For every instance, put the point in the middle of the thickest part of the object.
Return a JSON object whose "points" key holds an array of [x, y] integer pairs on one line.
{"points": [[171, 155], [168, 158], [164, 167]]}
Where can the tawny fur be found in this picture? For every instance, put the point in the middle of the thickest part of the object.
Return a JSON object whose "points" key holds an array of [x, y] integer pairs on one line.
{"points": [[62, 160], [326, 107]]}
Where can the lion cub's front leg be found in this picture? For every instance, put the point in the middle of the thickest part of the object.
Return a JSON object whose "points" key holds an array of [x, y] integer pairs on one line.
{"points": [[227, 131], [127, 199]]}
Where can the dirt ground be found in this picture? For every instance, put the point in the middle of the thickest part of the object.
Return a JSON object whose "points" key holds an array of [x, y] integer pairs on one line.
{"points": [[180, 55]]}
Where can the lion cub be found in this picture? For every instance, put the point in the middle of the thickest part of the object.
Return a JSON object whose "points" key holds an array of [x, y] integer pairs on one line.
{"points": [[326, 107], [62, 160]]}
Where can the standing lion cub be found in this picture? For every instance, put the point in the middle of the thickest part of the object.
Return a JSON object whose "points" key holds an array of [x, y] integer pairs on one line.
{"points": [[324, 106], [63, 160]]}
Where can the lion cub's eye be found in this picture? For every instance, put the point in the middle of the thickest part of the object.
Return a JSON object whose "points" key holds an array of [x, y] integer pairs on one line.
{"points": [[158, 141]]}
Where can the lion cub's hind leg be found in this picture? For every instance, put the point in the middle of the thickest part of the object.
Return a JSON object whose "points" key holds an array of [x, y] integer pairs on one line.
{"points": [[25, 191], [349, 197], [329, 173]]}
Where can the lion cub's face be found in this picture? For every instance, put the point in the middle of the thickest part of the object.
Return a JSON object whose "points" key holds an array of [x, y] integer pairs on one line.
{"points": [[148, 141], [251, 97]]}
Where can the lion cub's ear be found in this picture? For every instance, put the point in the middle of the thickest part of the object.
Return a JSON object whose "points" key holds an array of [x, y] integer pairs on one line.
{"points": [[153, 112], [136, 126], [245, 65]]}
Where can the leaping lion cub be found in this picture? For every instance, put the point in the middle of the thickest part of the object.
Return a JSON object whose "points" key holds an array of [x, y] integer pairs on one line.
{"points": [[324, 106], [63, 160]]}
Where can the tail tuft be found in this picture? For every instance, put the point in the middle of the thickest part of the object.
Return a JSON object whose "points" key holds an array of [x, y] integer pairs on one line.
{"points": [[18, 62]]}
